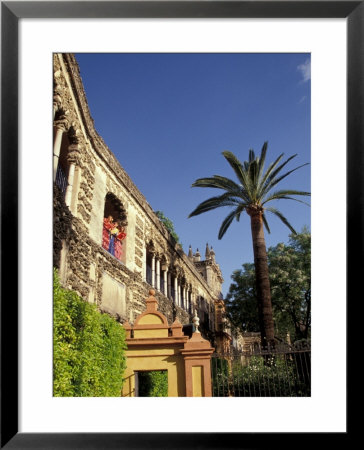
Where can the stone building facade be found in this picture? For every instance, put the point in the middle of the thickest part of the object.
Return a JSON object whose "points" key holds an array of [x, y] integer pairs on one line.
{"points": [[90, 185]]}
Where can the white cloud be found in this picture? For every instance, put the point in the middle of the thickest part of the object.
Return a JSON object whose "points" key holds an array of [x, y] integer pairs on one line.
{"points": [[302, 99], [305, 70]]}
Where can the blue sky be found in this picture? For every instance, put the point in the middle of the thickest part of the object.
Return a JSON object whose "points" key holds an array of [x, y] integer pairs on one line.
{"points": [[168, 117]]}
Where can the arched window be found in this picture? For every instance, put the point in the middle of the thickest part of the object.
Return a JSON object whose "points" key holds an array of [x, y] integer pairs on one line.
{"points": [[149, 274], [63, 164], [114, 227]]}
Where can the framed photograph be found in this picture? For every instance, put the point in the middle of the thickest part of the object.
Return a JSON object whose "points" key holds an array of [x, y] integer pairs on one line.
{"points": [[332, 32]]}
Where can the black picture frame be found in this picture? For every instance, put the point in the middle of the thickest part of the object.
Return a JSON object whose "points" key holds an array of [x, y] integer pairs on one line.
{"points": [[11, 12]]}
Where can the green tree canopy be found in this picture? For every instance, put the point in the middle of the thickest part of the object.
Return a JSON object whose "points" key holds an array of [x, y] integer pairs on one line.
{"points": [[88, 348], [290, 275], [290, 280], [241, 300]]}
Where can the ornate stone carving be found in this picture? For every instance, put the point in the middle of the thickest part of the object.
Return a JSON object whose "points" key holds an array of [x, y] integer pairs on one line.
{"points": [[138, 262], [89, 152], [62, 122]]}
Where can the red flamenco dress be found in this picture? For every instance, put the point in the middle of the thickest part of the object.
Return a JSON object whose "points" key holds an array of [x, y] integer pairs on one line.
{"points": [[118, 244], [106, 233]]}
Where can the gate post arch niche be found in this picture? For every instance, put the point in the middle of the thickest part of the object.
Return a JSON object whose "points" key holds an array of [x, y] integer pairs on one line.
{"points": [[154, 345]]}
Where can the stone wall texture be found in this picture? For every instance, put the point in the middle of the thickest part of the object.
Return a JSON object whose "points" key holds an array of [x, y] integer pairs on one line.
{"points": [[91, 173]]}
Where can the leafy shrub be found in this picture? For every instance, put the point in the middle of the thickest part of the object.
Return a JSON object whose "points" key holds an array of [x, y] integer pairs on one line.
{"points": [[257, 377], [168, 224], [153, 383], [220, 377], [88, 348]]}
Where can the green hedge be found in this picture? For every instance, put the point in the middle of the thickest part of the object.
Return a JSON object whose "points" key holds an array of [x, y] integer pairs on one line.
{"points": [[153, 383], [88, 348]]}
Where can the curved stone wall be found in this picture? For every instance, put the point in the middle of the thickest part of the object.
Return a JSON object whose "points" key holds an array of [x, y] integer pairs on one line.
{"points": [[151, 257]]}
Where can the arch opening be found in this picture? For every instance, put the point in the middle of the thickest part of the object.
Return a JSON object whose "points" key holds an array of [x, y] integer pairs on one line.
{"points": [[114, 227]]}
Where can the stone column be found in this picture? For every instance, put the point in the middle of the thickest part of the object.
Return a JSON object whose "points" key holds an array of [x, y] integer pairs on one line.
{"points": [[175, 290], [71, 173], [153, 270], [165, 277], [158, 274], [73, 164], [184, 297], [179, 294], [193, 301], [60, 129]]}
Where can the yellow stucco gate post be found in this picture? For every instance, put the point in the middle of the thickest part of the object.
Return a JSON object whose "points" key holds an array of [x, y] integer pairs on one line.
{"points": [[153, 344], [197, 355]]}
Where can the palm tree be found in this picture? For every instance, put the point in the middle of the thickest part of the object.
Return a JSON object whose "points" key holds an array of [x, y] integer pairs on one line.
{"points": [[251, 194]]}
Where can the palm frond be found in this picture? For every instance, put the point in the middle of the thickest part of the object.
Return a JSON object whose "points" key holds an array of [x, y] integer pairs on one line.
{"points": [[279, 168], [234, 188], [266, 223], [210, 182], [239, 170], [263, 153], [217, 182], [215, 202], [282, 218], [273, 181], [228, 220], [286, 194], [284, 197], [226, 184], [291, 192], [239, 210], [253, 175], [268, 172], [251, 155]]}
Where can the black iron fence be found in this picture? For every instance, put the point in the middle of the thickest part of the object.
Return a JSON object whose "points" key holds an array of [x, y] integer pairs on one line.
{"points": [[284, 371]]}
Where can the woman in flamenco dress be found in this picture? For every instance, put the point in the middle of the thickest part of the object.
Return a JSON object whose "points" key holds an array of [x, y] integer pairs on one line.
{"points": [[108, 225], [120, 236], [114, 231]]}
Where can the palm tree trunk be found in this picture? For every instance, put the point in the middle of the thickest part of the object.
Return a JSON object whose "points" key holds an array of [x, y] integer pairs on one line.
{"points": [[262, 279]]}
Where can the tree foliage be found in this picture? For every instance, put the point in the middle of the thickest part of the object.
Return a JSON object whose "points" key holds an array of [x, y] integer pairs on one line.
{"points": [[153, 383], [290, 279], [241, 300], [88, 348], [168, 224], [290, 274], [256, 378]]}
